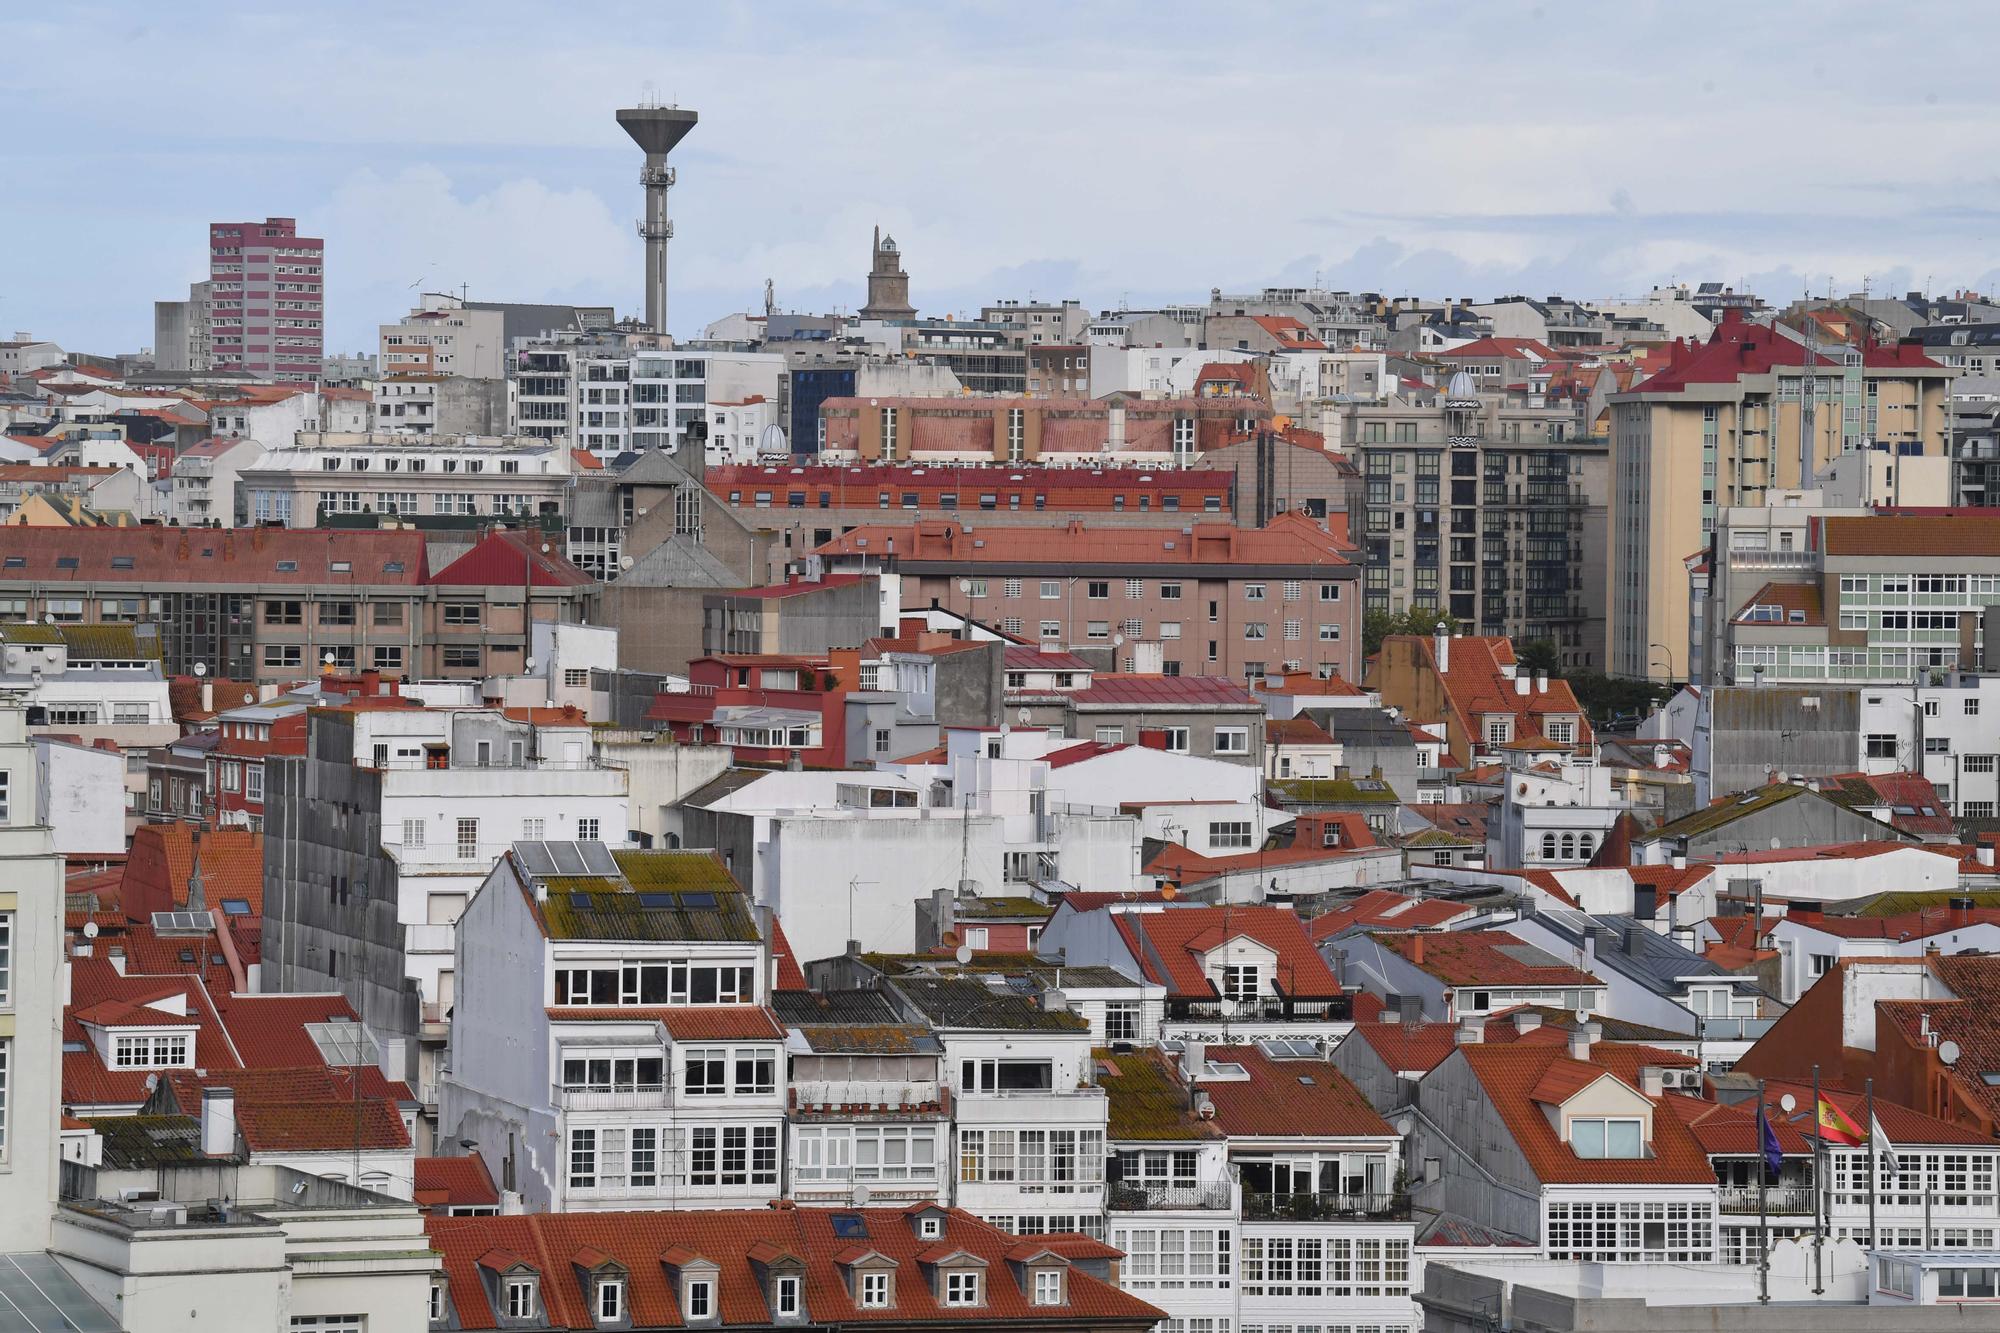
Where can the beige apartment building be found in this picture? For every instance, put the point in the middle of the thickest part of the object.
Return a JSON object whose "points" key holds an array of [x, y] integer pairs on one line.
{"points": [[1722, 426]]}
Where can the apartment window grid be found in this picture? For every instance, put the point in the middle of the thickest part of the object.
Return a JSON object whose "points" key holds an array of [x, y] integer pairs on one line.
{"points": [[1630, 1231], [1318, 1268], [1135, 589]]}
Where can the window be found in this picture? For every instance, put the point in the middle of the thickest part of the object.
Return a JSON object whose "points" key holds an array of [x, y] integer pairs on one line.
{"points": [[1881, 746], [1176, 739], [283, 655], [1121, 1020], [1978, 763], [520, 1299], [1097, 590], [1232, 740], [961, 1288], [1253, 592], [468, 839], [462, 655], [1968, 1284], [1170, 592], [875, 1291], [1239, 981], [700, 1301], [576, 678], [6, 1050], [437, 1302], [1226, 834], [704, 1073], [786, 1302], [284, 613], [587, 830], [6, 957], [1052, 629], [1256, 629], [610, 1300], [1051, 589], [1135, 589], [1293, 590], [1606, 1138], [156, 1052], [1048, 1287]]}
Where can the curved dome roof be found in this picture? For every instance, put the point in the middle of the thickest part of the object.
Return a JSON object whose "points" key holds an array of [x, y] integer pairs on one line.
{"points": [[1461, 386]]}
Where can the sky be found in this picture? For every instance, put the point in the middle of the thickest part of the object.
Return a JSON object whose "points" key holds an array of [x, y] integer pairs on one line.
{"points": [[1114, 153]]}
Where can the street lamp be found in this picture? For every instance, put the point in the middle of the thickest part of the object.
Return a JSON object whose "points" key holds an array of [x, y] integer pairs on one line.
{"points": [[1669, 656]]}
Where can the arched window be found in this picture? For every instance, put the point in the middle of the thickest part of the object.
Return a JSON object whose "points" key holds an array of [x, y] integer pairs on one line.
{"points": [[1548, 846], [1584, 844], [1569, 847]]}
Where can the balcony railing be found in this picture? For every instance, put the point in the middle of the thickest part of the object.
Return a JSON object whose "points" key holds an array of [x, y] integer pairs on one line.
{"points": [[1325, 1207], [637, 1097], [1779, 1200], [1130, 1197], [1337, 1008]]}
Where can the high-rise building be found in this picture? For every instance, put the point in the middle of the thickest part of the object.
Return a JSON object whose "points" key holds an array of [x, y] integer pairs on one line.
{"points": [[267, 311]]}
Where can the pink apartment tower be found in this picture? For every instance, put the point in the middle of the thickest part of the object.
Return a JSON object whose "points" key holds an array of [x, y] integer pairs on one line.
{"points": [[267, 315]]}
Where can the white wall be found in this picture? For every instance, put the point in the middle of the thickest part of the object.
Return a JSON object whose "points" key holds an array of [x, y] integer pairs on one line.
{"points": [[82, 791]]}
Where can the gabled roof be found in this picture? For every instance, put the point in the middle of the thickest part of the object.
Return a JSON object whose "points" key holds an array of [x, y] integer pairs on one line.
{"points": [[1788, 603], [1480, 958], [1422, 1047], [1299, 1098], [1389, 909], [1147, 1099], [1514, 1076], [647, 1244], [1168, 946], [508, 559], [455, 1182]]}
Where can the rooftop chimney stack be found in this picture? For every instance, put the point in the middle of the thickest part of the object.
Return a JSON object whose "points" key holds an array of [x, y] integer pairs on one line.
{"points": [[656, 129]]}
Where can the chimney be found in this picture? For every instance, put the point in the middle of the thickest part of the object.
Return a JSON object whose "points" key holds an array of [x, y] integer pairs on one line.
{"points": [[1471, 1032], [395, 1064], [1526, 1021], [1680, 861], [1522, 685], [1580, 1038], [1541, 682], [1194, 1059], [115, 955], [1645, 902], [1417, 948], [218, 1122], [1152, 738], [1652, 1081], [1413, 1009], [1628, 940], [1392, 1009], [1961, 911], [1985, 854], [1441, 646], [1591, 935], [1802, 910]]}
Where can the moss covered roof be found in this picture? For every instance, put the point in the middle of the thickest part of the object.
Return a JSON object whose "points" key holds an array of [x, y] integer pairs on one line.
{"points": [[1326, 791], [1148, 1102], [658, 895]]}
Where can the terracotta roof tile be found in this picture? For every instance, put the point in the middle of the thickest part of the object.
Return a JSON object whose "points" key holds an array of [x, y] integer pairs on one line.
{"points": [[1286, 1098], [1168, 944], [1515, 1075], [1475, 958]]}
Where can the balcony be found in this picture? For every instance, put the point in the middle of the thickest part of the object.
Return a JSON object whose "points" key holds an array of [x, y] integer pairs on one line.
{"points": [[631, 1097], [1735, 1029], [1336, 1008], [1779, 1200], [833, 1098], [1132, 1197], [1325, 1207]]}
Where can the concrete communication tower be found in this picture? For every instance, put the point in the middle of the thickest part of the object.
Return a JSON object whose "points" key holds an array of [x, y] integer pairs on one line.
{"points": [[656, 129]]}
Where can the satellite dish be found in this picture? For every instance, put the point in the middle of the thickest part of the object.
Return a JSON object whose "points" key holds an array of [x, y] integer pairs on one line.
{"points": [[1948, 1052], [950, 939], [625, 562], [1169, 892], [1118, 641], [249, 698], [1788, 1103], [90, 930], [1405, 1125], [328, 659], [545, 548], [862, 1195], [1024, 715], [528, 664], [965, 585], [200, 669], [50, 618], [963, 954]]}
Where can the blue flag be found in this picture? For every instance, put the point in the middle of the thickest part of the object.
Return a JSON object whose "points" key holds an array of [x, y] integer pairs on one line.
{"points": [[1767, 1143]]}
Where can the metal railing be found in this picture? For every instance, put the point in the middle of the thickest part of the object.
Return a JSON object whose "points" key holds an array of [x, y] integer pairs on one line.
{"points": [[635, 1097], [1779, 1200], [1338, 1008], [1325, 1207], [1131, 1197]]}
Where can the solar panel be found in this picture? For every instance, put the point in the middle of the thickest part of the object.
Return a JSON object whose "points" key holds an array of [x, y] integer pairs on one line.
{"points": [[598, 857], [343, 1043], [38, 1296], [568, 860], [534, 858], [182, 923]]}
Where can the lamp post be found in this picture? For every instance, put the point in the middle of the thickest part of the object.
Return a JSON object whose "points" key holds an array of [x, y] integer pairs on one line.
{"points": [[1669, 654]]}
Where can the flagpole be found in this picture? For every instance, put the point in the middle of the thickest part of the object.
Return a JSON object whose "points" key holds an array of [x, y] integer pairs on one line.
{"points": [[1763, 1211], [1873, 1241], [1819, 1198]]}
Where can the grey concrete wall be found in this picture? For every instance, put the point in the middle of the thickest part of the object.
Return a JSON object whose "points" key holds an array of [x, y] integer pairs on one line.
{"points": [[659, 629], [843, 616], [1201, 729], [970, 687], [1365, 1069], [1458, 1127], [1752, 727]]}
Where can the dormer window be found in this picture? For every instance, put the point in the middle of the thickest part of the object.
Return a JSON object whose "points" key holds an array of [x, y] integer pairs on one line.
{"points": [[1048, 1286], [785, 1298], [1607, 1137], [874, 1291], [930, 1227], [520, 1300], [698, 1299], [610, 1303], [437, 1305], [961, 1288], [151, 1052]]}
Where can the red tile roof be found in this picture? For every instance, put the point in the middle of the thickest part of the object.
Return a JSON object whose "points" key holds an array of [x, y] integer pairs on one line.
{"points": [[1167, 946], [645, 1244], [1956, 534], [216, 555], [1422, 1047], [1475, 958], [794, 587], [1385, 907], [1516, 349], [320, 1126], [1291, 539], [1739, 348], [694, 1023], [461, 1182], [790, 975], [1299, 730], [508, 559], [1309, 683], [1789, 598], [1027, 657], [1107, 689], [1287, 1098], [1514, 1075], [1476, 685]]}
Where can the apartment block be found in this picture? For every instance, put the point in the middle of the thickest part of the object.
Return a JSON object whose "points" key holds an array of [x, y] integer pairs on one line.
{"points": [[328, 479], [266, 300], [1726, 423], [1023, 430], [1218, 600]]}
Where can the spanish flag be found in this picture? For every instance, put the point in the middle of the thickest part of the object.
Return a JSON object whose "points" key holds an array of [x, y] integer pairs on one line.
{"points": [[1835, 1127]]}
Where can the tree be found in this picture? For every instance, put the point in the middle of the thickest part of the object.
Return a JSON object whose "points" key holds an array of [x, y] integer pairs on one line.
{"points": [[1539, 655], [1379, 625]]}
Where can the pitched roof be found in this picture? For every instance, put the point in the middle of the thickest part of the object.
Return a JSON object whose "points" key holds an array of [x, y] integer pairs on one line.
{"points": [[1515, 1074], [1147, 1099], [1739, 348], [1422, 1047], [646, 1244], [1108, 690], [1386, 907], [213, 556], [1959, 534], [1291, 540], [1287, 1098], [1169, 945], [462, 1182], [509, 559], [320, 1126], [1794, 603], [1477, 958]]}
